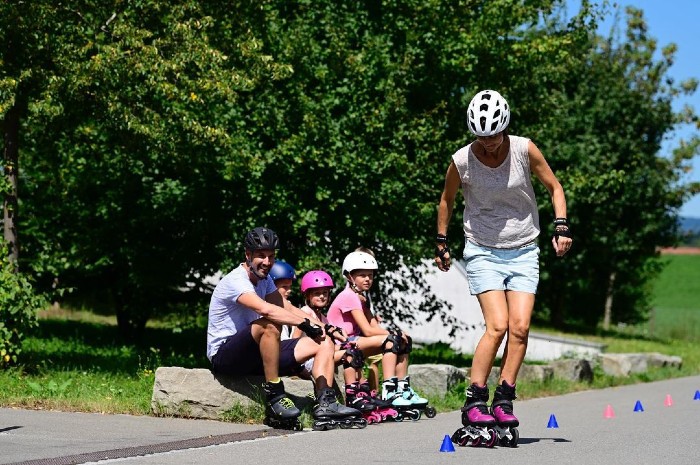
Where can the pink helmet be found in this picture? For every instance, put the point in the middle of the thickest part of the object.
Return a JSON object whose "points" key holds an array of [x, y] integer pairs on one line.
{"points": [[315, 279]]}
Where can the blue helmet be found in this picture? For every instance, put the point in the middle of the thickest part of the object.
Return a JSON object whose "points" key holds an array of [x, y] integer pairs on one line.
{"points": [[282, 270]]}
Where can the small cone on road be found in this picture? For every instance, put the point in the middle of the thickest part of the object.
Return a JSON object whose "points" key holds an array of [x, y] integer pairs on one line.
{"points": [[609, 412], [638, 407], [447, 444], [668, 402], [552, 422], [697, 395]]}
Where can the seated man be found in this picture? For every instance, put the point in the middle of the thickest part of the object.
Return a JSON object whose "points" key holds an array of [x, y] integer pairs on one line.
{"points": [[246, 314]]}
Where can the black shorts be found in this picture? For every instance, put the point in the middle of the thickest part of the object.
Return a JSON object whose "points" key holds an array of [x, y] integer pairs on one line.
{"points": [[239, 355]]}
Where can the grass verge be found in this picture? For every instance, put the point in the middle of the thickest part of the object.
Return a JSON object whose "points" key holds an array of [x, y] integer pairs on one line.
{"points": [[76, 365]]}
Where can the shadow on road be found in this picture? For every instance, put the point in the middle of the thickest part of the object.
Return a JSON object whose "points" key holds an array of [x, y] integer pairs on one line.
{"points": [[533, 440]]}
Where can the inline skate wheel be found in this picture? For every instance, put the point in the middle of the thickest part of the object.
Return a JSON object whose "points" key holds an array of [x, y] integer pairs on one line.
{"points": [[459, 439], [430, 412], [513, 440], [493, 438]]}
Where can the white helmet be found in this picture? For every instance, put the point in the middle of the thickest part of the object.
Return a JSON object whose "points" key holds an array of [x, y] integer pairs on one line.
{"points": [[359, 261], [488, 113]]}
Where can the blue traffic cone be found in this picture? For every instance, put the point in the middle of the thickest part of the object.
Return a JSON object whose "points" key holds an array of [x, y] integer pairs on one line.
{"points": [[552, 422], [447, 444], [697, 395], [638, 407]]}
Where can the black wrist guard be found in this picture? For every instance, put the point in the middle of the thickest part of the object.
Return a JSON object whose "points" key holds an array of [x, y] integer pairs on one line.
{"points": [[441, 239], [311, 330], [440, 253], [331, 330]]}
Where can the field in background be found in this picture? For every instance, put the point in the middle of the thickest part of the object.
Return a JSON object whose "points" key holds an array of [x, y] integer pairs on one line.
{"points": [[676, 303]]}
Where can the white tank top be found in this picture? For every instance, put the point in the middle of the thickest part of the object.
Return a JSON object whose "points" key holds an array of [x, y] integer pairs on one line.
{"points": [[500, 209]]}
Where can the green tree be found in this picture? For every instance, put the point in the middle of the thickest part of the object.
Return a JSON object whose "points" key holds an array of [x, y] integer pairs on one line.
{"points": [[125, 109], [19, 304], [623, 191], [352, 149]]}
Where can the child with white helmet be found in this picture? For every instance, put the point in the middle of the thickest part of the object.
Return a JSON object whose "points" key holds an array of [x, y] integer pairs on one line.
{"points": [[351, 311]]}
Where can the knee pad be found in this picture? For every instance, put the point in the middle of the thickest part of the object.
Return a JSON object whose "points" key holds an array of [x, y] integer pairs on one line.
{"points": [[353, 357], [396, 343], [408, 347]]}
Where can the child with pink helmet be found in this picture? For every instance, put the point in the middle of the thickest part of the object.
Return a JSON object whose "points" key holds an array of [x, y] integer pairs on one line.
{"points": [[316, 286]]}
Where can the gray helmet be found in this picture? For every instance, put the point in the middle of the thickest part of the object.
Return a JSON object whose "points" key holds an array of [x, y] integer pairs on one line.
{"points": [[261, 239]]}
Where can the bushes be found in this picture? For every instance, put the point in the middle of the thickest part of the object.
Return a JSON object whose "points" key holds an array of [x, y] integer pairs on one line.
{"points": [[18, 307]]}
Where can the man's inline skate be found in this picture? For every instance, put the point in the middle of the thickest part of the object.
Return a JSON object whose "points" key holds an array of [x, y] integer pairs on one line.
{"points": [[280, 411], [502, 411], [404, 407], [384, 408], [360, 400], [329, 414], [478, 429], [419, 402]]}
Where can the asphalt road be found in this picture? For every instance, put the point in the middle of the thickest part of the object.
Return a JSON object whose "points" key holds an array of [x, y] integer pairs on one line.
{"points": [[659, 434]]}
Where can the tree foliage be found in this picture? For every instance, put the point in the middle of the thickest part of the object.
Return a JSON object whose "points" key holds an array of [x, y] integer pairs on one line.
{"points": [[129, 109], [19, 304], [624, 193], [154, 134]]}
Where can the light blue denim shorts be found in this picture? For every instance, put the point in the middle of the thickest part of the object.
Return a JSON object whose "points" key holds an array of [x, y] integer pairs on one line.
{"points": [[491, 269]]}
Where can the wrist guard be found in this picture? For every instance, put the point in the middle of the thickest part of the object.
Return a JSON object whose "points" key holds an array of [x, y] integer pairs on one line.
{"points": [[311, 330], [440, 252], [332, 330]]}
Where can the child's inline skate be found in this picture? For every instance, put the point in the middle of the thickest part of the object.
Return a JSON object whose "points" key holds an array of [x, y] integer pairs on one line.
{"points": [[384, 408], [280, 411], [405, 408], [359, 400], [329, 414], [478, 429], [502, 411], [419, 402]]}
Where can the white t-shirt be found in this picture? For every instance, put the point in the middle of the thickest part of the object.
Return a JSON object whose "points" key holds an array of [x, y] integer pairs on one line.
{"points": [[226, 315]]}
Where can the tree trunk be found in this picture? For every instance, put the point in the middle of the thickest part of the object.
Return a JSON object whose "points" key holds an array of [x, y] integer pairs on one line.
{"points": [[10, 128], [609, 301]]}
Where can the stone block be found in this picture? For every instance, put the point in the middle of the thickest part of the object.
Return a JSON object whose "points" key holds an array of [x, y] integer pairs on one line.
{"points": [[198, 393], [435, 379], [573, 370]]}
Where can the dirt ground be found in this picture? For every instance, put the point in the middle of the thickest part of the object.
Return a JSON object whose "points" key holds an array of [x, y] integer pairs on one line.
{"points": [[681, 251]]}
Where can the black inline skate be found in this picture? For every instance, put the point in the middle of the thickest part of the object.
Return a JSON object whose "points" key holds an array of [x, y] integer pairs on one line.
{"points": [[502, 411], [479, 424], [329, 414], [360, 400], [280, 411]]}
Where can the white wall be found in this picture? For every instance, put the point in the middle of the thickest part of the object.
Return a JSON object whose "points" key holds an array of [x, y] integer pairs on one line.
{"points": [[452, 287]]}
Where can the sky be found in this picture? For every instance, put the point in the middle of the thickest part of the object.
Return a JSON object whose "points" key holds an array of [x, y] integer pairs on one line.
{"points": [[671, 21]]}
